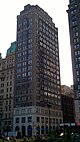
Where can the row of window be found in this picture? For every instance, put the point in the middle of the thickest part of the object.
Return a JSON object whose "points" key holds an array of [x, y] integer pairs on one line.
{"points": [[8, 108], [43, 120], [8, 115], [7, 66], [24, 62], [44, 25], [28, 74], [38, 110], [24, 24], [24, 53], [77, 52], [8, 84], [46, 37], [9, 61]]}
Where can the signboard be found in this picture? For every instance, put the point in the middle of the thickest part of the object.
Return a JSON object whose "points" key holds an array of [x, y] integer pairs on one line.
{"points": [[67, 124]]}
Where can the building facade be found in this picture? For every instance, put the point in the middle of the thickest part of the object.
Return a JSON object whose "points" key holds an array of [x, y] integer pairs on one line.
{"points": [[67, 101], [74, 28], [37, 99], [7, 89]]}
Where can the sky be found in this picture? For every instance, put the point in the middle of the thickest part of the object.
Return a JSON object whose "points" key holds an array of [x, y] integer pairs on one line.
{"points": [[9, 9]]}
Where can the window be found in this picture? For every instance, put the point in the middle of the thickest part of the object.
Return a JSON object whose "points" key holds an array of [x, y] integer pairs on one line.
{"points": [[29, 110], [9, 115], [2, 79], [10, 95], [29, 67], [60, 121], [2, 90], [30, 61], [74, 23], [30, 56], [7, 83], [46, 120], [77, 72], [29, 73], [10, 88], [29, 51], [2, 85], [17, 112], [76, 66], [22, 111], [42, 111], [23, 119], [30, 78], [56, 121], [24, 63], [10, 76], [37, 119], [75, 52], [17, 120], [9, 108], [24, 74], [10, 82], [9, 122], [6, 108], [78, 79], [42, 119], [78, 52], [6, 95], [30, 119], [53, 121], [78, 86], [5, 115]]}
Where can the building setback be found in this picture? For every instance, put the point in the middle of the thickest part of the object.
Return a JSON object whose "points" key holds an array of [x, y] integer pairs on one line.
{"points": [[74, 28], [7, 89], [37, 98]]}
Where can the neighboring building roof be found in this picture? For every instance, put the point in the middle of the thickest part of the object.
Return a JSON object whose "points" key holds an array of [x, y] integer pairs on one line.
{"points": [[11, 49], [66, 90]]}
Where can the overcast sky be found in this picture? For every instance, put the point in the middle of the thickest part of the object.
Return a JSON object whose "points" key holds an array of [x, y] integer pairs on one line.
{"points": [[9, 9]]}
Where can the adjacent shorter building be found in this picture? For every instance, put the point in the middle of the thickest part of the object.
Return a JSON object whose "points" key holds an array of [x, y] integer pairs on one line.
{"points": [[7, 66], [67, 97]]}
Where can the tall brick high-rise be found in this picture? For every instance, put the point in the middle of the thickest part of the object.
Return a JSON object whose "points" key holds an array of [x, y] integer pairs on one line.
{"points": [[74, 27], [37, 101]]}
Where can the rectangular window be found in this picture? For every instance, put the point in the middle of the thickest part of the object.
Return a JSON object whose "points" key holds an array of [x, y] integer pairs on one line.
{"points": [[17, 120], [17, 112], [23, 119], [60, 121], [46, 120], [2, 85], [37, 119], [7, 83], [53, 121], [30, 119], [10, 89], [9, 108], [56, 121], [78, 86], [7, 89], [22, 111], [42, 119]]}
